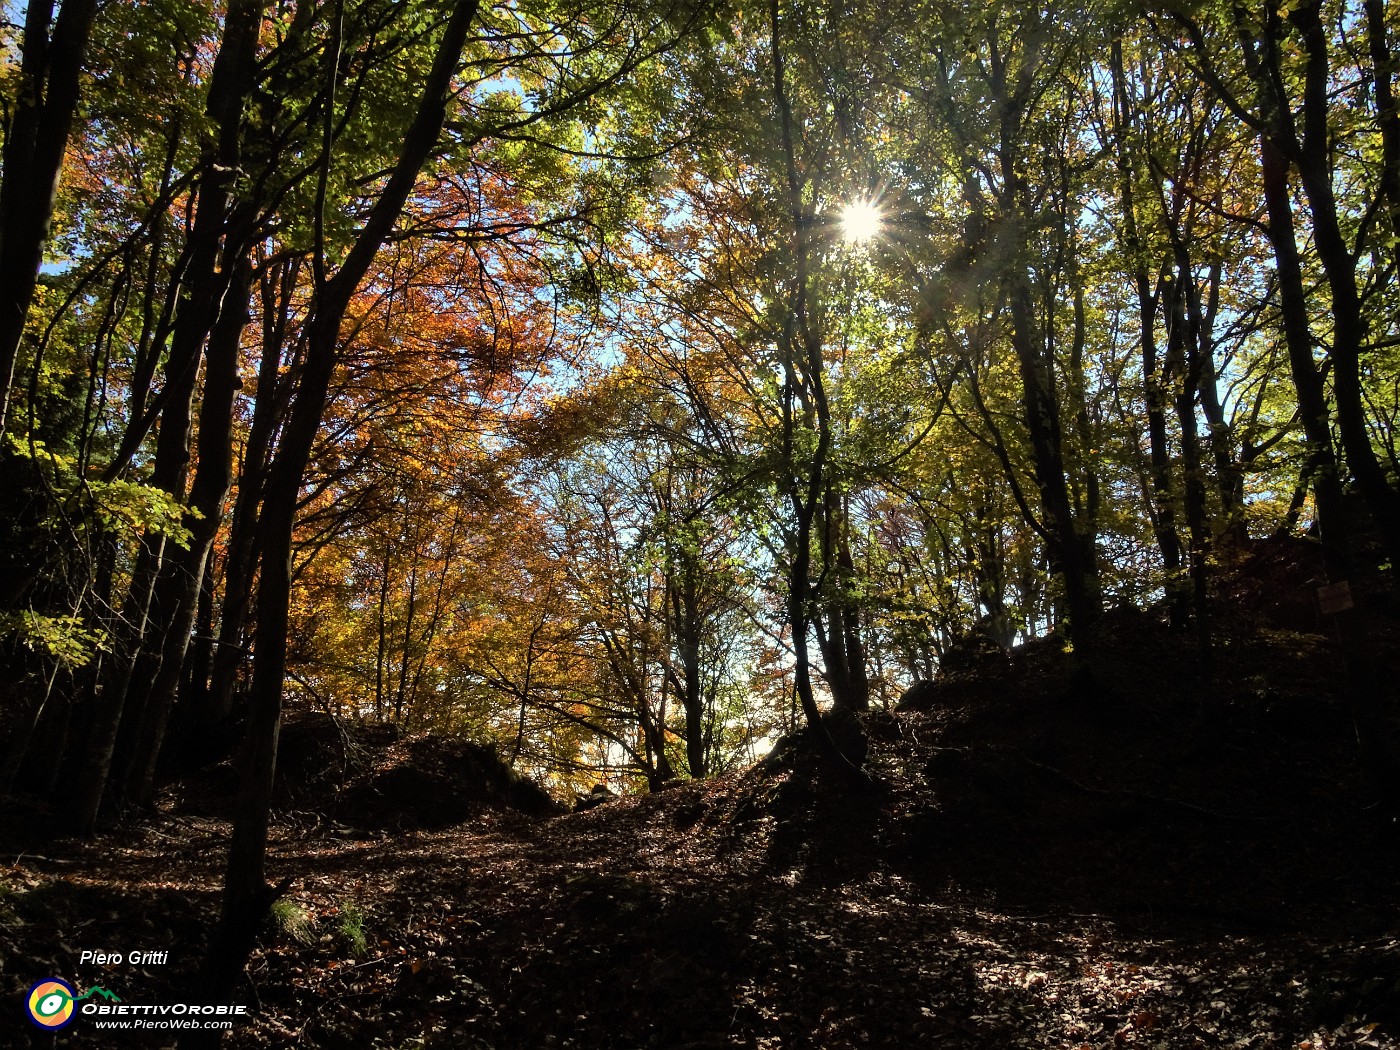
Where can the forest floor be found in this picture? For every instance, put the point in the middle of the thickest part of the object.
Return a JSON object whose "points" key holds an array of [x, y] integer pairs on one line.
{"points": [[1116, 850]]}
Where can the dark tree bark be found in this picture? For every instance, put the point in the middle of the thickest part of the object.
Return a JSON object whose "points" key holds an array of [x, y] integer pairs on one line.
{"points": [[1071, 549], [1311, 153], [1164, 527], [838, 623], [246, 895], [1071, 543], [45, 106], [181, 581], [1184, 367], [687, 630], [230, 652], [194, 686], [1302, 140], [804, 403], [1387, 113], [130, 721], [1364, 690]]}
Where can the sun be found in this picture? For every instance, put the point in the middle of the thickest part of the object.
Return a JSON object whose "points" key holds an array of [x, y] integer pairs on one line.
{"points": [[861, 221]]}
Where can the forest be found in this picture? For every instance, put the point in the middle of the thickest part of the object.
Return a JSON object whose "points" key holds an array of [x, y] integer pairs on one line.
{"points": [[927, 441]]}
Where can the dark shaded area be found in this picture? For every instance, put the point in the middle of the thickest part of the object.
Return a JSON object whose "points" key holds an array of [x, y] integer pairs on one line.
{"points": [[429, 782], [1158, 783], [367, 777], [1139, 849]]}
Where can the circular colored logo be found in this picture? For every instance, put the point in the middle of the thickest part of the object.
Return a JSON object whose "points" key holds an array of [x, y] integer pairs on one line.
{"points": [[51, 1004]]}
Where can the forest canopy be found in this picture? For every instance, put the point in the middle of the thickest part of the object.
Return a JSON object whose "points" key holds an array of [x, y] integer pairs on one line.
{"points": [[622, 383]]}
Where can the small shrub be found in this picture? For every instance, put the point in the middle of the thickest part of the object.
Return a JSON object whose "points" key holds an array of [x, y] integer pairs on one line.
{"points": [[351, 924], [294, 920]]}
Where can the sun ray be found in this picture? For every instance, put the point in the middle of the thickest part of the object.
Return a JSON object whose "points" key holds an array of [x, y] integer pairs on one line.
{"points": [[861, 221]]}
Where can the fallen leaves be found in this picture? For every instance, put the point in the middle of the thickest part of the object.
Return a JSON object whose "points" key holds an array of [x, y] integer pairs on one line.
{"points": [[735, 913]]}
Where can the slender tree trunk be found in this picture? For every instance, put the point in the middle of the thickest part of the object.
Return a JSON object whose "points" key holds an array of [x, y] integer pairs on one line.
{"points": [[1185, 368], [1363, 682], [1159, 454], [401, 690], [194, 686], [802, 350], [21, 736], [686, 628], [1313, 159], [1229, 470], [1314, 413], [803, 493], [184, 577], [246, 895], [659, 770], [1071, 544], [1387, 113], [839, 638], [381, 649], [430, 633], [1072, 552], [140, 710], [97, 743], [277, 292], [50, 73]]}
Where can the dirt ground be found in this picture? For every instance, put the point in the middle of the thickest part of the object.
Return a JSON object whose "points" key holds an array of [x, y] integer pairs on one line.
{"points": [[1131, 847]]}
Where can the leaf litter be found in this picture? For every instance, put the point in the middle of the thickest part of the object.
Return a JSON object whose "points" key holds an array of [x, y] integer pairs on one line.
{"points": [[1026, 873]]}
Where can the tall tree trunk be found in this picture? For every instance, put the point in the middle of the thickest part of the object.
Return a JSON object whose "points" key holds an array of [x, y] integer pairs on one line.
{"points": [[194, 687], [46, 103], [175, 590], [804, 382], [94, 747], [1313, 159], [686, 630], [277, 290], [1185, 369], [842, 649], [1071, 551], [1159, 454], [1363, 683], [1229, 469], [401, 698], [381, 647], [246, 895], [184, 577], [1071, 544], [1387, 113]]}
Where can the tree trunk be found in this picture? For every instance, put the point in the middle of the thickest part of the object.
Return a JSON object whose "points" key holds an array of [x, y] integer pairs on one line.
{"points": [[230, 653], [1185, 368], [185, 575], [1363, 692], [1072, 552], [1071, 545], [842, 649], [142, 711], [194, 686], [805, 386], [36, 139], [686, 629], [1313, 158], [246, 896]]}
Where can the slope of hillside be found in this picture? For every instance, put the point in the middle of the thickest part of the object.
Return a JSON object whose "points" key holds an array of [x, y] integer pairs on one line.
{"points": [[1132, 853]]}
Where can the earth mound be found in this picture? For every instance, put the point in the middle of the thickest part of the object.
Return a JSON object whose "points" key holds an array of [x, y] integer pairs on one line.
{"points": [[370, 778], [1140, 778], [432, 782]]}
